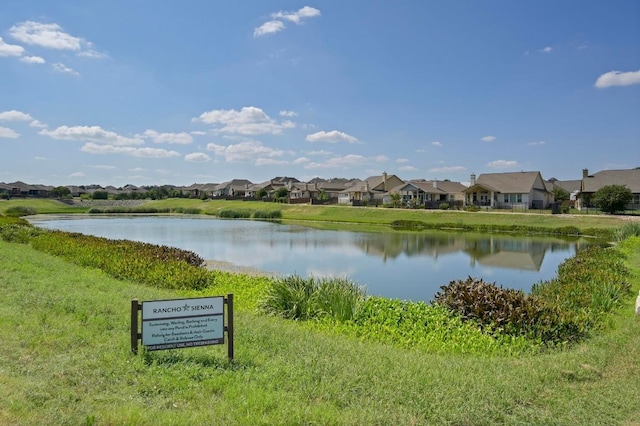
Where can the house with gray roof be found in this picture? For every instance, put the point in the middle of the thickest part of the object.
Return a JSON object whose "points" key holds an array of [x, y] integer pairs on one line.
{"points": [[431, 193], [372, 190], [509, 190], [590, 184]]}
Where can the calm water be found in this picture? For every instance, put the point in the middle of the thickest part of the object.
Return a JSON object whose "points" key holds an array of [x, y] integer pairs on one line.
{"points": [[393, 264]]}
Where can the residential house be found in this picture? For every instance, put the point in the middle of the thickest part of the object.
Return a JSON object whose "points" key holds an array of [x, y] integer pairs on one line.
{"points": [[509, 190], [431, 193], [592, 183], [233, 188], [373, 190], [571, 186], [21, 189]]}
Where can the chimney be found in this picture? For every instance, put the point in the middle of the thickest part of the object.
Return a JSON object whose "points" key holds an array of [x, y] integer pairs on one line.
{"points": [[366, 186], [435, 183], [384, 181], [473, 179], [585, 173]]}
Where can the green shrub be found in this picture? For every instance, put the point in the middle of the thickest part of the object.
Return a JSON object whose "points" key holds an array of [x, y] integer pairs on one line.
{"points": [[268, 214], [564, 309], [444, 206], [100, 195], [17, 211], [235, 214], [508, 311], [125, 210], [629, 230], [159, 266], [295, 297], [18, 233]]}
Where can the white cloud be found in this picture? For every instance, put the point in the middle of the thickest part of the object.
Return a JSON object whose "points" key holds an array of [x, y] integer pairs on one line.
{"points": [[321, 152], [59, 67], [408, 169], [488, 138], [276, 25], [270, 27], [197, 157], [103, 167], [546, 49], [14, 115], [301, 160], [538, 143], [269, 162], [45, 35], [92, 54], [288, 113], [402, 160], [5, 132], [436, 143], [448, 169], [380, 158], [333, 136], [38, 124], [10, 49], [172, 138], [297, 17], [502, 164], [32, 60], [345, 162], [244, 151], [93, 148], [618, 78], [198, 133], [247, 121], [77, 175], [90, 133]]}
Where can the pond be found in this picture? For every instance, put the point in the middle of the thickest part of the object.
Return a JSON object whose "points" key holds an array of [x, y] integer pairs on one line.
{"points": [[400, 265]]}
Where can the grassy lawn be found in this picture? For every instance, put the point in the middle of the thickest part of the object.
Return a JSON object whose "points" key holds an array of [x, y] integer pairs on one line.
{"points": [[65, 359], [344, 217]]}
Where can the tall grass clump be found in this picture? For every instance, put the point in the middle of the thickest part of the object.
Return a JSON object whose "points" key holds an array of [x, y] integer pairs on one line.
{"points": [[588, 285], [629, 230], [127, 210], [294, 297], [235, 214], [267, 214], [17, 211]]}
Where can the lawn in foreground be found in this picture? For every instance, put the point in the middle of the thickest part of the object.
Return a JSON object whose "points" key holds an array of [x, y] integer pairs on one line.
{"points": [[65, 359]]}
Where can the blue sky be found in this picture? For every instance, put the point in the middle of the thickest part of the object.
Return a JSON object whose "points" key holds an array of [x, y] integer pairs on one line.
{"points": [[174, 92]]}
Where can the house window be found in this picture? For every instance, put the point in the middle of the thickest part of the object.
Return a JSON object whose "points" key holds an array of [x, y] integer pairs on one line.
{"points": [[506, 198], [519, 198]]}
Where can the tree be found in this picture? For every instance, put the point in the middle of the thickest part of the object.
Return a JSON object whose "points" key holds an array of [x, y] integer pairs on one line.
{"points": [[612, 198], [282, 192], [262, 192], [396, 199], [61, 192], [560, 194], [100, 195]]}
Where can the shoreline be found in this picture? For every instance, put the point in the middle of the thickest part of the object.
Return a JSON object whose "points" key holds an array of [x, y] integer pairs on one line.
{"points": [[224, 266]]}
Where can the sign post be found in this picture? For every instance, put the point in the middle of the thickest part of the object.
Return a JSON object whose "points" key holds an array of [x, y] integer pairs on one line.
{"points": [[182, 323]]}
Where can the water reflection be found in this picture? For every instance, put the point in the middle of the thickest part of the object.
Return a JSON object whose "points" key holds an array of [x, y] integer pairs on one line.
{"points": [[392, 264]]}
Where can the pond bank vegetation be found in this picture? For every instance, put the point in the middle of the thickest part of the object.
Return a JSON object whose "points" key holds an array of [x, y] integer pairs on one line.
{"points": [[311, 350]]}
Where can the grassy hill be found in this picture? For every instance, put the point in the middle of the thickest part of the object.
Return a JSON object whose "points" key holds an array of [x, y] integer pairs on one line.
{"points": [[65, 359]]}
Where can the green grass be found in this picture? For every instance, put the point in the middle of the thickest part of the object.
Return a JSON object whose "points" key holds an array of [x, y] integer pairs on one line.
{"points": [[345, 217], [65, 359], [41, 206], [384, 216]]}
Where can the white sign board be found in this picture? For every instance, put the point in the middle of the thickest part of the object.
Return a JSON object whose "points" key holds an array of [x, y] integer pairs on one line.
{"points": [[183, 323]]}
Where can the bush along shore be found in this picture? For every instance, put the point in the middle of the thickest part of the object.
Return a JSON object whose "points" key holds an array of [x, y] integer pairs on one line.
{"points": [[466, 316]]}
